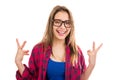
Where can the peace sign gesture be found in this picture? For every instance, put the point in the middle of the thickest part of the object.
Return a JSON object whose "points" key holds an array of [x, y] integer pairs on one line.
{"points": [[92, 54], [20, 52]]}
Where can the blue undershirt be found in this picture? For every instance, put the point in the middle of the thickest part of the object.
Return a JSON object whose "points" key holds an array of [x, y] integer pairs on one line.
{"points": [[55, 70]]}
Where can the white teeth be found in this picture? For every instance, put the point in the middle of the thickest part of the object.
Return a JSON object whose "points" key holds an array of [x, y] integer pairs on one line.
{"points": [[61, 32]]}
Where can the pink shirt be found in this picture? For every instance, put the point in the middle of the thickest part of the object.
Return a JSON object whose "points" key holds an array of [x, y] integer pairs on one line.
{"points": [[38, 62]]}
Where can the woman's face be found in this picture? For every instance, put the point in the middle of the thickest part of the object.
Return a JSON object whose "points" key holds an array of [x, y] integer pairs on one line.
{"points": [[61, 25]]}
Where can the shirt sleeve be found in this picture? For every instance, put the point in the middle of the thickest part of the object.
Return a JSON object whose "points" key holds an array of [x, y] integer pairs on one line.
{"points": [[25, 75], [31, 71], [82, 60]]}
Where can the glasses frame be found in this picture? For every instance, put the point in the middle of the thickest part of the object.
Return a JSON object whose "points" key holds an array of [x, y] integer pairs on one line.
{"points": [[61, 22]]}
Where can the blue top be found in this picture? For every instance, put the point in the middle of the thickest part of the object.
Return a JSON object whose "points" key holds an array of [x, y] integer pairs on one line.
{"points": [[55, 70]]}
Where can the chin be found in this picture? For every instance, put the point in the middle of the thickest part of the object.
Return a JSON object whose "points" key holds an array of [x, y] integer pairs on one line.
{"points": [[61, 38]]}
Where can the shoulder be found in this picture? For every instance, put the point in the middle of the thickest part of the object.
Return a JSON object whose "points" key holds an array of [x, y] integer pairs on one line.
{"points": [[41, 47], [37, 47]]}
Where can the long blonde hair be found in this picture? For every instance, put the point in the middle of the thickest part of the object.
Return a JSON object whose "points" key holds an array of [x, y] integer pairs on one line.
{"points": [[69, 40]]}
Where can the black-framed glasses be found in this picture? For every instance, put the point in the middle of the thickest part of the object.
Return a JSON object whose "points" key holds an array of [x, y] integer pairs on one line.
{"points": [[58, 23]]}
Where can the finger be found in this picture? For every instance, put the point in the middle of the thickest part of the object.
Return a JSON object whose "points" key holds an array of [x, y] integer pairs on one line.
{"points": [[18, 45], [93, 46], [89, 51], [23, 44], [99, 46], [26, 52]]}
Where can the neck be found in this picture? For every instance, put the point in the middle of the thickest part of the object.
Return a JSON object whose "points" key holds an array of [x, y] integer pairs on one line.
{"points": [[58, 50], [58, 43]]}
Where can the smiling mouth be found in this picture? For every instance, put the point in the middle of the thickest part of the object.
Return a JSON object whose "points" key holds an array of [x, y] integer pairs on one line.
{"points": [[61, 32]]}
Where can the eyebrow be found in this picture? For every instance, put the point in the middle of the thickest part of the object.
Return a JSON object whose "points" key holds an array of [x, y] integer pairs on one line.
{"points": [[61, 20]]}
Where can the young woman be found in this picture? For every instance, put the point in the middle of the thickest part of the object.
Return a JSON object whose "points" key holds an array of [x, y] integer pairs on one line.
{"points": [[56, 57]]}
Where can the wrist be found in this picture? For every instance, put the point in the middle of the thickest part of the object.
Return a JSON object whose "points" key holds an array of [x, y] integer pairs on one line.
{"points": [[91, 65], [18, 62]]}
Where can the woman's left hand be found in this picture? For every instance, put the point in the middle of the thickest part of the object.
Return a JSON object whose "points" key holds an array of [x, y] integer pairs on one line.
{"points": [[92, 54]]}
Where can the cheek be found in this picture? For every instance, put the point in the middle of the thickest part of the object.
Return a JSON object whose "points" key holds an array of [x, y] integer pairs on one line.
{"points": [[54, 30]]}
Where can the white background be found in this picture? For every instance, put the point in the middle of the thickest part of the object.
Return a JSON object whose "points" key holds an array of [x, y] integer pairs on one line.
{"points": [[95, 20]]}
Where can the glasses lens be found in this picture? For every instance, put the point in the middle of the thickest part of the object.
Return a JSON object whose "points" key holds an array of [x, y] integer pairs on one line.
{"points": [[57, 22], [67, 23]]}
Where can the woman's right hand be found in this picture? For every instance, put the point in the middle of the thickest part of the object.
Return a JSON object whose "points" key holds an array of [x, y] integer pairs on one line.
{"points": [[20, 52]]}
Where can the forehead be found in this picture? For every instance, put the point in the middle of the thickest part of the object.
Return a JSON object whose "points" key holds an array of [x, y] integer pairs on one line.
{"points": [[62, 15]]}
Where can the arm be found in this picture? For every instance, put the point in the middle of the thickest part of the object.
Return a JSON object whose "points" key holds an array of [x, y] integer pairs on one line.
{"points": [[92, 60], [85, 75], [20, 67], [23, 71]]}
